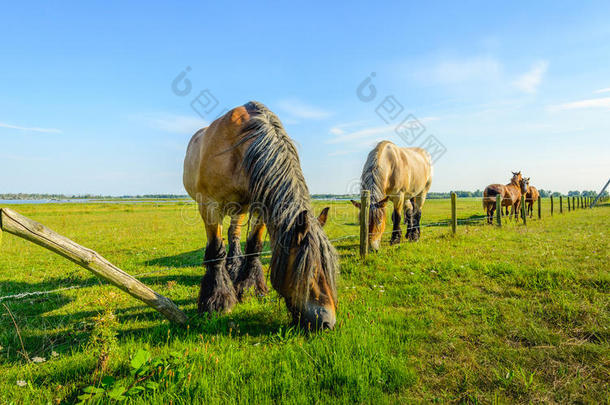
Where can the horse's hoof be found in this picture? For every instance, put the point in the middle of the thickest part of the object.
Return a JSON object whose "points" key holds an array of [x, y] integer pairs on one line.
{"points": [[261, 290], [395, 241], [220, 302], [251, 274], [215, 297]]}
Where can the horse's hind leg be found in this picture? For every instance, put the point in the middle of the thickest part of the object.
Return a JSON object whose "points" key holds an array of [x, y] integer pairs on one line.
{"points": [[251, 271], [216, 293], [235, 259], [491, 208], [418, 203]]}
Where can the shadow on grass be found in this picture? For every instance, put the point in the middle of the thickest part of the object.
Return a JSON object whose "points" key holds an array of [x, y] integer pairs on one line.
{"points": [[193, 258], [69, 333], [187, 259]]}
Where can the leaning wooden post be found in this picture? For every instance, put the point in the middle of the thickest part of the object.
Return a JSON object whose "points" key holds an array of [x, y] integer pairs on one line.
{"points": [[539, 207], [523, 209], [551, 205], [25, 228], [453, 213], [365, 204], [561, 204], [499, 210]]}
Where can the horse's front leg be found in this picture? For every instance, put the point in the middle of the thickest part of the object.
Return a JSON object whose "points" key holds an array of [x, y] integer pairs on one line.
{"points": [[409, 218], [418, 203], [235, 259], [216, 293], [396, 227], [398, 202], [251, 271]]}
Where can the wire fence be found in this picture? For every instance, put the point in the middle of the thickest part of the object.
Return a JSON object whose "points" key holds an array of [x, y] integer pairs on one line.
{"points": [[262, 254]]}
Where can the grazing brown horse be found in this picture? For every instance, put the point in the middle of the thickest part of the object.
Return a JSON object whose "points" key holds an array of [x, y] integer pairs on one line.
{"points": [[510, 194], [400, 175], [530, 198], [244, 161]]}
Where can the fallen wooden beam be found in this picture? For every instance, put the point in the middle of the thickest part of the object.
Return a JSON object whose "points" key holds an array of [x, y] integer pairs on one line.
{"points": [[18, 225]]}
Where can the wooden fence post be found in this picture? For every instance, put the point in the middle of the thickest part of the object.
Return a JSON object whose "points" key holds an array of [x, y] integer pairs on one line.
{"points": [[539, 207], [568, 198], [453, 212], [499, 210], [25, 228], [561, 204], [523, 209], [551, 205], [365, 204]]}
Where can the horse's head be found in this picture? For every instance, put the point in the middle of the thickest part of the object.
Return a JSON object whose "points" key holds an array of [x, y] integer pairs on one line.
{"points": [[516, 179], [308, 283], [376, 221], [524, 184]]}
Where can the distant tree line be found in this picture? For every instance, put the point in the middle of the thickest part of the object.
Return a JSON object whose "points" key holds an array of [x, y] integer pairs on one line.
{"points": [[38, 196], [462, 194], [432, 195]]}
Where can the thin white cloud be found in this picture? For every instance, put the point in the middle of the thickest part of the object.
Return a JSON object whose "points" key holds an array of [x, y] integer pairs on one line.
{"points": [[602, 91], [341, 135], [299, 109], [591, 103], [530, 80], [362, 133], [341, 152], [463, 70], [180, 124], [30, 129], [340, 129]]}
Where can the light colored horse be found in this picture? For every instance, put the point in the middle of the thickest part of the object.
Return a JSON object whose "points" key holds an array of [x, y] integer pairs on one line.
{"points": [[400, 175], [510, 194], [244, 161]]}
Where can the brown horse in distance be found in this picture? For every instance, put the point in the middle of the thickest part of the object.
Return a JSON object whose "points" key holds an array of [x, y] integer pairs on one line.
{"points": [[530, 198], [510, 194], [400, 175], [246, 162]]}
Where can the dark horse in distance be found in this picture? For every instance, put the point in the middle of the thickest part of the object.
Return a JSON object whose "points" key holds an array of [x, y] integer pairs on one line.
{"points": [[510, 194]]}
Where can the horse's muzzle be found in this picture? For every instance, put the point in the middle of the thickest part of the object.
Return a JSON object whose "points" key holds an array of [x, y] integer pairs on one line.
{"points": [[317, 318], [374, 244]]}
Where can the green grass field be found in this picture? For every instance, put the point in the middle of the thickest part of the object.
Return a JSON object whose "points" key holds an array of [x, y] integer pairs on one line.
{"points": [[517, 314]]}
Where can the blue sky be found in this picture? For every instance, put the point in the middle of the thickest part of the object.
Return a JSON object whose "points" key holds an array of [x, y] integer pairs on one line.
{"points": [[86, 100]]}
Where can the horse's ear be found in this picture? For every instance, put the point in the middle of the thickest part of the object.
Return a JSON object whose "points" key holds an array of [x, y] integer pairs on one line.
{"points": [[356, 204], [514, 173], [528, 179], [383, 202], [301, 225], [323, 216]]}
